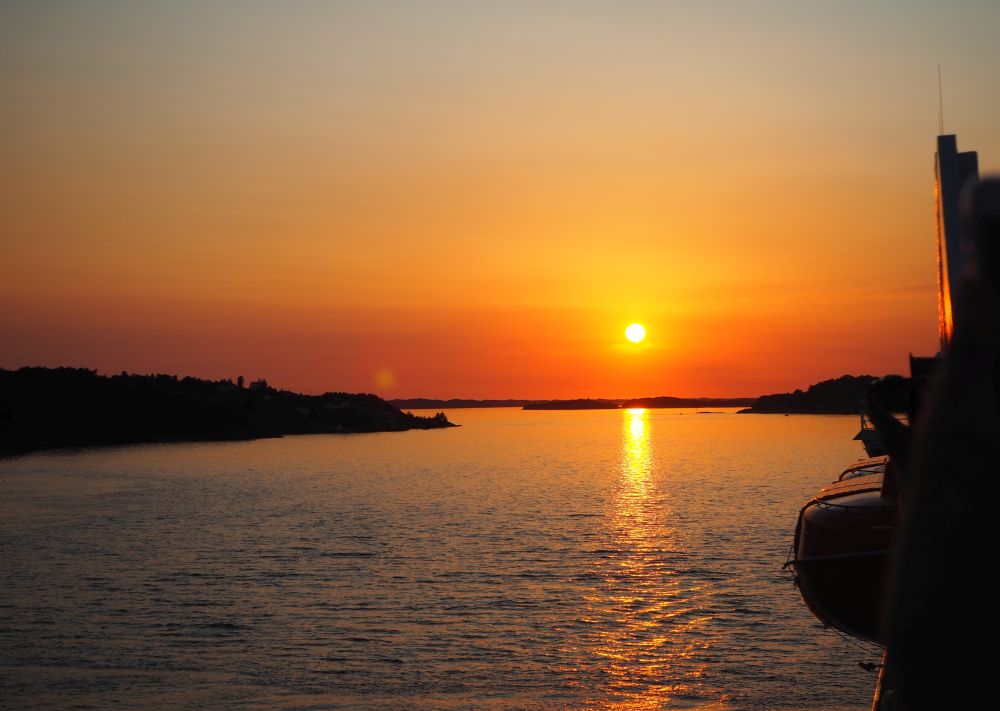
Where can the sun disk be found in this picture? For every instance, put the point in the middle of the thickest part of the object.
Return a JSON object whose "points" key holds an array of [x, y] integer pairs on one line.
{"points": [[635, 332]]}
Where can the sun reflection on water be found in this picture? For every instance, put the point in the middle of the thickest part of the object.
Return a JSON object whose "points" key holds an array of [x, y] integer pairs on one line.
{"points": [[646, 617]]}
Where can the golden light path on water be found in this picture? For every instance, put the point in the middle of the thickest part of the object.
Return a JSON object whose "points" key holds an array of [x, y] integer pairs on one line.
{"points": [[647, 619]]}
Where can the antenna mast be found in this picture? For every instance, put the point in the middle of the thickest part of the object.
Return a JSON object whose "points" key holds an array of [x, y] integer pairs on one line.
{"points": [[940, 105]]}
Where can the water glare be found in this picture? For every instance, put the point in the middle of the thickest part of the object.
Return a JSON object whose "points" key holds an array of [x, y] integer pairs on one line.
{"points": [[646, 621]]}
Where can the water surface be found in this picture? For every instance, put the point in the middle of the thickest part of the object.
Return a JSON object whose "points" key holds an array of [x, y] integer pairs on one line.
{"points": [[595, 559]]}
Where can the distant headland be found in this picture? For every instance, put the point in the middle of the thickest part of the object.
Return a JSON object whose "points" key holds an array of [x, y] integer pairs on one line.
{"points": [[838, 396], [47, 408]]}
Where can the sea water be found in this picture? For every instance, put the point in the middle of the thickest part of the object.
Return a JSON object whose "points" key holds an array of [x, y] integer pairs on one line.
{"points": [[592, 559]]}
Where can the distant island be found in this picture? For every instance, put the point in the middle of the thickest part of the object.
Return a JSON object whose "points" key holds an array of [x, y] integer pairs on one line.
{"points": [[838, 396], [423, 403], [578, 404], [46, 408], [664, 401]]}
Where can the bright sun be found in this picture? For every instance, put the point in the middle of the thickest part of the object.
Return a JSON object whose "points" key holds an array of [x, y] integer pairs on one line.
{"points": [[635, 332]]}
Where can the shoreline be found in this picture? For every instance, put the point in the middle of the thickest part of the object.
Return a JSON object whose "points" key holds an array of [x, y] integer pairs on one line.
{"points": [[6, 455], [55, 408]]}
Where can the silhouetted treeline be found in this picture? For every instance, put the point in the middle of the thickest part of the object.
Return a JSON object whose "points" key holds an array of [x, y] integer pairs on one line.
{"points": [[578, 404], [839, 396], [42, 408], [646, 402], [423, 403], [664, 401]]}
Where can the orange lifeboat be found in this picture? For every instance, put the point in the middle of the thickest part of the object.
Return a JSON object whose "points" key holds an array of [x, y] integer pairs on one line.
{"points": [[842, 549]]}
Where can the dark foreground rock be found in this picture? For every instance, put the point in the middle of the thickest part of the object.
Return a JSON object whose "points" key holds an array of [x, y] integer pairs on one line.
{"points": [[46, 408]]}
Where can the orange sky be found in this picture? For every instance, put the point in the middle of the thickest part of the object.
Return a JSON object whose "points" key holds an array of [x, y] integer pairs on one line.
{"points": [[459, 199]]}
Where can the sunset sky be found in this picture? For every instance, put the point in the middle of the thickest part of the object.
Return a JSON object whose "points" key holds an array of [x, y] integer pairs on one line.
{"points": [[473, 199]]}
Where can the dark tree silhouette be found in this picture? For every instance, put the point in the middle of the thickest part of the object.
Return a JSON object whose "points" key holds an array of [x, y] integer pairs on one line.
{"points": [[42, 408]]}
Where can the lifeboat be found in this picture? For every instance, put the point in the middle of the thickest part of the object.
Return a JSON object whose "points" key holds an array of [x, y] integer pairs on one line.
{"points": [[841, 552]]}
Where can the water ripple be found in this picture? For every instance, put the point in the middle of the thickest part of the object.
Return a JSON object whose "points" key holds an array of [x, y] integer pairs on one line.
{"points": [[581, 560]]}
